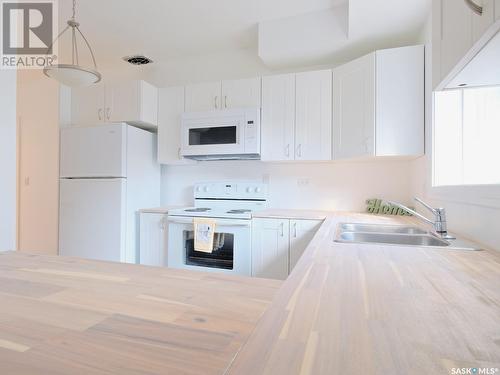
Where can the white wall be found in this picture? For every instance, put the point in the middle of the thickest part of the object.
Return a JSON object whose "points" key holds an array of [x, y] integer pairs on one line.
{"points": [[323, 186], [38, 113], [476, 221], [8, 160]]}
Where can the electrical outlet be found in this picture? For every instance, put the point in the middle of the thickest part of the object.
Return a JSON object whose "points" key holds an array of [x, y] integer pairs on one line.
{"points": [[302, 182]]}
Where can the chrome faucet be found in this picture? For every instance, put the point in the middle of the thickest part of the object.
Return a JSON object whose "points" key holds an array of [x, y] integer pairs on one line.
{"points": [[439, 223]]}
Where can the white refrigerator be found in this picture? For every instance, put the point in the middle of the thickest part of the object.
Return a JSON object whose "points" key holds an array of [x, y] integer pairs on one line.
{"points": [[107, 173]]}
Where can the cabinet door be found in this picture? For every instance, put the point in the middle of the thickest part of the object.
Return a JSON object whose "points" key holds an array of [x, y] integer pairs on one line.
{"points": [[456, 38], [313, 121], [241, 93], [278, 117], [153, 239], [171, 107], [87, 105], [122, 101], [148, 103], [270, 248], [354, 103], [301, 234], [480, 23], [203, 97]]}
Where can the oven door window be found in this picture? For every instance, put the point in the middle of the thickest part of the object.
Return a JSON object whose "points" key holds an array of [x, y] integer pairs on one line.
{"points": [[222, 135], [221, 257]]}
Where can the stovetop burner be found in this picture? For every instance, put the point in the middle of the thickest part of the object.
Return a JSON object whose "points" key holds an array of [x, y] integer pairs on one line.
{"points": [[241, 211], [199, 209]]}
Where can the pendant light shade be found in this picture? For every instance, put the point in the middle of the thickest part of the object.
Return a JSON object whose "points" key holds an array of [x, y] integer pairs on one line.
{"points": [[73, 74]]}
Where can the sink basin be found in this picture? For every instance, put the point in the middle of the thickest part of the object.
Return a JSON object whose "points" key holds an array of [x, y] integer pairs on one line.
{"points": [[369, 228], [393, 239], [403, 235]]}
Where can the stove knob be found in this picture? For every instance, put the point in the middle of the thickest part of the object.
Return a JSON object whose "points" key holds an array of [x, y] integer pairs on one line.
{"points": [[198, 188], [258, 189], [206, 189], [249, 189]]}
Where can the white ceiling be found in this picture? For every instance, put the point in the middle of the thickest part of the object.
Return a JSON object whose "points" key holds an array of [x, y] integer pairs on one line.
{"points": [[173, 29]]}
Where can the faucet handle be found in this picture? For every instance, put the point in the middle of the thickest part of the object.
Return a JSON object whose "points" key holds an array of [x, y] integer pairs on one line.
{"points": [[429, 207]]}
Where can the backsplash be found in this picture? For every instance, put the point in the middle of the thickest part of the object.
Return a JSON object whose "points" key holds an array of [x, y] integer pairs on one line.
{"points": [[322, 186]]}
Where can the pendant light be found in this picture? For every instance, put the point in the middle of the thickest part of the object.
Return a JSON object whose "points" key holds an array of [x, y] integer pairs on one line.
{"points": [[73, 74]]}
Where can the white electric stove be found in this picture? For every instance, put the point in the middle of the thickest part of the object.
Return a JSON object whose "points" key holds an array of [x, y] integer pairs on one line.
{"points": [[230, 204]]}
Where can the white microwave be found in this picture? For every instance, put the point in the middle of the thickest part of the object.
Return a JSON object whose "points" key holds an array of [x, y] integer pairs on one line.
{"points": [[221, 135]]}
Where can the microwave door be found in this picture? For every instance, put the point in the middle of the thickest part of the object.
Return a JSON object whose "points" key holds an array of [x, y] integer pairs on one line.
{"points": [[210, 139]]}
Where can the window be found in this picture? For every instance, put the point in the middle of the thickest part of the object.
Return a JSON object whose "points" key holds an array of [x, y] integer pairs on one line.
{"points": [[466, 149]]}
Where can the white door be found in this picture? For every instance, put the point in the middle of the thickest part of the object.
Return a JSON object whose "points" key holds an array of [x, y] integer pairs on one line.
{"points": [[92, 218], [301, 234], [480, 23], [354, 103], [87, 105], [153, 239], [94, 151], [241, 93], [203, 97], [270, 248], [456, 38], [278, 118], [122, 102], [313, 121], [171, 107]]}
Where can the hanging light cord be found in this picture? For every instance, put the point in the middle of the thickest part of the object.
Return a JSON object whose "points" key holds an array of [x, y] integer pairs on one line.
{"points": [[74, 48]]}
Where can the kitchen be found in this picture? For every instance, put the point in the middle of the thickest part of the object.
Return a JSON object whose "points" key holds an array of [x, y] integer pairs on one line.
{"points": [[208, 205]]}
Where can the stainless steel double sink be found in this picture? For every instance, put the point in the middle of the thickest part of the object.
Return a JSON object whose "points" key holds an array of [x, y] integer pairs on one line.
{"points": [[402, 235]]}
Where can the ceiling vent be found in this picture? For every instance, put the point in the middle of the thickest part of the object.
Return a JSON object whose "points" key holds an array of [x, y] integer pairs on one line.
{"points": [[138, 60]]}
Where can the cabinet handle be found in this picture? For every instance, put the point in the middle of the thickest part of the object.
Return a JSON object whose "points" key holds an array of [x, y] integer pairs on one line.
{"points": [[179, 153], [287, 150], [216, 101], [225, 101], [299, 150], [99, 114], [282, 226], [295, 230], [108, 113], [478, 9]]}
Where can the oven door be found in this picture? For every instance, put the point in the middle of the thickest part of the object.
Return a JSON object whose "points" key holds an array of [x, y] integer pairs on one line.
{"points": [[232, 246]]}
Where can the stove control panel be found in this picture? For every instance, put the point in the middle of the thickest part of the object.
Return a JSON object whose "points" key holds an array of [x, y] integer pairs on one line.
{"points": [[231, 190]]}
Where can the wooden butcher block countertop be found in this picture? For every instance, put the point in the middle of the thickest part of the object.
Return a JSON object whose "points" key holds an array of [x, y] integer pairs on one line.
{"points": [[69, 316], [358, 309]]}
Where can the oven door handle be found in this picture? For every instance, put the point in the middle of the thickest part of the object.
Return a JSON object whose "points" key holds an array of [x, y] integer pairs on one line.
{"points": [[217, 223]]}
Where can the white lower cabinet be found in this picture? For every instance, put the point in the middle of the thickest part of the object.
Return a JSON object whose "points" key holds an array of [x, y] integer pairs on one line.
{"points": [[153, 239], [301, 234], [277, 245]]}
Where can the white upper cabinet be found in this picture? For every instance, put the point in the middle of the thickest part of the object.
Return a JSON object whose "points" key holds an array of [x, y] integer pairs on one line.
{"points": [[134, 102], [270, 241], [278, 118], [354, 103], [480, 23], [241, 93], [379, 104], [301, 234], [313, 115], [87, 105], [203, 97], [171, 107], [456, 33], [456, 29], [297, 116]]}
